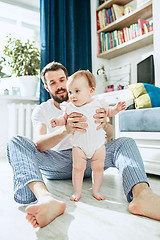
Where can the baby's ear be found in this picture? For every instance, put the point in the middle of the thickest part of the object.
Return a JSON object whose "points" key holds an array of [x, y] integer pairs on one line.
{"points": [[92, 89]]}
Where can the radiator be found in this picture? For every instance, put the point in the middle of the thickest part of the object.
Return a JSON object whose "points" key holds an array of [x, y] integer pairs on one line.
{"points": [[19, 120]]}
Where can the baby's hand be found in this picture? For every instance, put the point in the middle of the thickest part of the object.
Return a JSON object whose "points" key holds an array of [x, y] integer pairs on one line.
{"points": [[121, 106], [53, 122]]}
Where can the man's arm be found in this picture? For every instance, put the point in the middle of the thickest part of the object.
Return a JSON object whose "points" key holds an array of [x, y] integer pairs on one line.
{"points": [[109, 129], [45, 141], [101, 118], [75, 122]]}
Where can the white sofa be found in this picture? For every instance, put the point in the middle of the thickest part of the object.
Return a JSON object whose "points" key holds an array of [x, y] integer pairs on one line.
{"points": [[147, 139]]}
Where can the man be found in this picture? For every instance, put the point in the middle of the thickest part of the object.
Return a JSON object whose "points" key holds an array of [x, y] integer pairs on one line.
{"points": [[51, 155]]}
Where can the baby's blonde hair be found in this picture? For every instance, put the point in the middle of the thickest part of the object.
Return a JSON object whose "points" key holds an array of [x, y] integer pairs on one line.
{"points": [[83, 73]]}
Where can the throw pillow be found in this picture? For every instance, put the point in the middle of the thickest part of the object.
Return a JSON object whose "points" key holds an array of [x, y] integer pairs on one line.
{"points": [[145, 95]]}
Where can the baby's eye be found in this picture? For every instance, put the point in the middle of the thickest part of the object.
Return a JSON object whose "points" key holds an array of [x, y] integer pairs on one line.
{"points": [[77, 91], [69, 92]]}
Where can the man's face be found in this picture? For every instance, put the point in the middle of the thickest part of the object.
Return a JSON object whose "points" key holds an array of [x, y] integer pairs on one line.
{"points": [[56, 85]]}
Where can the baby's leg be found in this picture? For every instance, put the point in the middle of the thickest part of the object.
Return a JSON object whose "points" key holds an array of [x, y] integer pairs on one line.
{"points": [[79, 166], [97, 165]]}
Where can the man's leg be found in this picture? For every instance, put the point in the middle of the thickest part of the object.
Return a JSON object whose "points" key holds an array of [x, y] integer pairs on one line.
{"points": [[26, 162], [46, 209], [145, 202], [123, 154], [97, 165]]}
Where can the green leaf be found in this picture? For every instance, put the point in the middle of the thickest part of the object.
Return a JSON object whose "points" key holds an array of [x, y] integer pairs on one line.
{"points": [[21, 57]]}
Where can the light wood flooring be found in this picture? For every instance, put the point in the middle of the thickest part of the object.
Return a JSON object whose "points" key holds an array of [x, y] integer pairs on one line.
{"points": [[87, 219]]}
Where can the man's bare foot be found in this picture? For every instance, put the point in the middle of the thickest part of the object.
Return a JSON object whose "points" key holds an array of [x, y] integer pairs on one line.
{"points": [[45, 211], [146, 204], [75, 197], [98, 195]]}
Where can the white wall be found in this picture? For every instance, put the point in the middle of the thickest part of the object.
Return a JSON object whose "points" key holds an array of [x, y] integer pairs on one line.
{"points": [[132, 57], [156, 28]]}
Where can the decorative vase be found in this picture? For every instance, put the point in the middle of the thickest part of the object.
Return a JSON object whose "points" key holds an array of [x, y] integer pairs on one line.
{"points": [[100, 84], [28, 85]]}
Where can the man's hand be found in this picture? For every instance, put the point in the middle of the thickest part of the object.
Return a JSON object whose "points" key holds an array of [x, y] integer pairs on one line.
{"points": [[101, 118], [76, 122]]}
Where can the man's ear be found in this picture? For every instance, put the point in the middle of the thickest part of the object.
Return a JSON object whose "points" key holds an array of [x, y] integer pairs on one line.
{"points": [[46, 87]]}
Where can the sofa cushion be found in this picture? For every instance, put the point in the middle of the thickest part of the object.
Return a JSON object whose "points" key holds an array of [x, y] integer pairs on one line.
{"points": [[145, 95], [140, 120]]}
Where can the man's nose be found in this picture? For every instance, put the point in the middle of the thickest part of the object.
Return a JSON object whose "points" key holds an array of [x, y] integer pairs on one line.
{"points": [[59, 86]]}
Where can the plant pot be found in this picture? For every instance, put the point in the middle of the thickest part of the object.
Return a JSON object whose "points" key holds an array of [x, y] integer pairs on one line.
{"points": [[28, 85]]}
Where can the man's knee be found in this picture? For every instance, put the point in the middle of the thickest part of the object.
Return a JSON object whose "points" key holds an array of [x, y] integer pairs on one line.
{"points": [[15, 140], [128, 141]]}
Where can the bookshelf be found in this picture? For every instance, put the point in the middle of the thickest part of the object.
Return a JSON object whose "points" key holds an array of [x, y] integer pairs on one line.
{"points": [[109, 3], [145, 12], [129, 46]]}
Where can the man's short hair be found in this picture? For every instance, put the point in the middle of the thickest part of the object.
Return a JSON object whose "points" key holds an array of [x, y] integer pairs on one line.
{"points": [[52, 66]]}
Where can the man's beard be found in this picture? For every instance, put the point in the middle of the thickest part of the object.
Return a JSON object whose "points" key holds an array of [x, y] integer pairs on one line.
{"points": [[61, 98]]}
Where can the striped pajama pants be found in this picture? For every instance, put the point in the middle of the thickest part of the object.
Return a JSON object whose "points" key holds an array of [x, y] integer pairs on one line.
{"points": [[29, 164]]}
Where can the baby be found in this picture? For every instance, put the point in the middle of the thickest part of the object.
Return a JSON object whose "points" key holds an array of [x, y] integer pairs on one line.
{"points": [[80, 87]]}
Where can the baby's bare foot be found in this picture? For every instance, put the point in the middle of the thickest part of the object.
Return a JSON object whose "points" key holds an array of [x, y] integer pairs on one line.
{"points": [[45, 211], [98, 195], [75, 197]]}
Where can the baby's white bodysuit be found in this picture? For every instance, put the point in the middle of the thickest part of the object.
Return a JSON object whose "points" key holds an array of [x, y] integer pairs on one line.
{"points": [[92, 139]]}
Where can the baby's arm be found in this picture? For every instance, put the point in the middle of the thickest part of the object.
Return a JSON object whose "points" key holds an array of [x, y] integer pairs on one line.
{"points": [[112, 111], [61, 121]]}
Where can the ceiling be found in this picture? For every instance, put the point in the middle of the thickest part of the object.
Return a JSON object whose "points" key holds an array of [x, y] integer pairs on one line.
{"points": [[29, 4]]}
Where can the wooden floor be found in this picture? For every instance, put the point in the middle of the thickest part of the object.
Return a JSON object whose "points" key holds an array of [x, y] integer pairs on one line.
{"points": [[87, 219]]}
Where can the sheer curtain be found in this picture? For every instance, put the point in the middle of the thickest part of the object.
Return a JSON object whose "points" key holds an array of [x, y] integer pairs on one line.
{"points": [[65, 29]]}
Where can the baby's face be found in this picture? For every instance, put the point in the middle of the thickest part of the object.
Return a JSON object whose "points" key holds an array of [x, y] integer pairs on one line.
{"points": [[79, 91]]}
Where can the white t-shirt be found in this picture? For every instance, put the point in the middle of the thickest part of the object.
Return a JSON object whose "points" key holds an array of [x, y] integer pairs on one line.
{"points": [[42, 114]]}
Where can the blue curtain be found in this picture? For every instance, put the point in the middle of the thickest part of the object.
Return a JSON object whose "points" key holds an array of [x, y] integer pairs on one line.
{"points": [[65, 27]]}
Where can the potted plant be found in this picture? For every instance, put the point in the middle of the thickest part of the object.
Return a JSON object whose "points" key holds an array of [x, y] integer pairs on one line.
{"points": [[2, 74], [24, 61]]}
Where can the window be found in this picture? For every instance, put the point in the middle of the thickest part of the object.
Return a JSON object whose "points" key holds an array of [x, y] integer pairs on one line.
{"points": [[20, 22]]}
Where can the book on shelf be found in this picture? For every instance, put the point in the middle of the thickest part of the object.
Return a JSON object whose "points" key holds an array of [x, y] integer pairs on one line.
{"points": [[105, 17], [118, 10], [108, 42], [116, 38], [98, 22], [112, 39], [110, 15], [113, 15], [141, 23], [99, 47], [147, 28], [107, 14]]}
